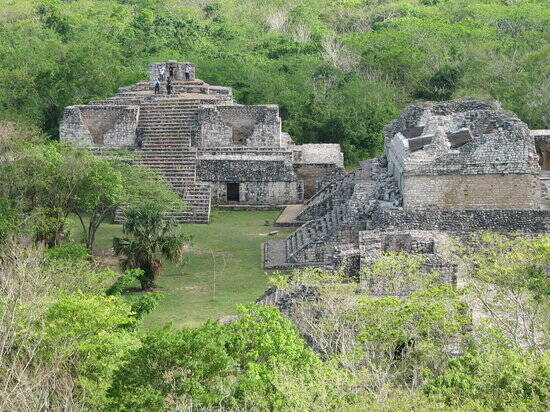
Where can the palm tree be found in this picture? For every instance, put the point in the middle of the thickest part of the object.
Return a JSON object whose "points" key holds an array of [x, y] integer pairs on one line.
{"points": [[148, 236]]}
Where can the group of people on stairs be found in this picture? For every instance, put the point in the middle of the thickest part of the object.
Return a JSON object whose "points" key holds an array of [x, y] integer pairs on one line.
{"points": [[171, 76]]}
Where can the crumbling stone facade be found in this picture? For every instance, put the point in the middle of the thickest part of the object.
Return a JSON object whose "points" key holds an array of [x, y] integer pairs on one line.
{"points": [[451, 155], [101, 126], [238, 125], [212, 150], [448, 168]]}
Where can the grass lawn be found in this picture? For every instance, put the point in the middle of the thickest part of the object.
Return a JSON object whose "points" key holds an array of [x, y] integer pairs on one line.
{"points": [[223, 267]]}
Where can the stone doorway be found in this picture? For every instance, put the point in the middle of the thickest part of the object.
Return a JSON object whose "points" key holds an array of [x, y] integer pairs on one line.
{"points": [[233, 192]]}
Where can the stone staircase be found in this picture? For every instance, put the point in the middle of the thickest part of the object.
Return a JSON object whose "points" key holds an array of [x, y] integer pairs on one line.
{"points": [[332, 219], [307, 244], [334, 194], [166, 126]]}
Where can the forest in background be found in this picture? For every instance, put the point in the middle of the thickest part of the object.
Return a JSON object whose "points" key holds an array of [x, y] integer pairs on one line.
{"points": [[72, 333], [339, 69]]}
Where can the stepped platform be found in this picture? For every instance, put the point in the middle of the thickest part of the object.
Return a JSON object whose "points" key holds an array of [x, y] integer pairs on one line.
{"points": [[166, 124], [287, 218], [211, 150]]}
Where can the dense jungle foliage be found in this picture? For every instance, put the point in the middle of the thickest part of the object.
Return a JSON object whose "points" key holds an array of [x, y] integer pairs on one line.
{"points": [[339, 69], [71, 339], [71, 327], [72, 334]]}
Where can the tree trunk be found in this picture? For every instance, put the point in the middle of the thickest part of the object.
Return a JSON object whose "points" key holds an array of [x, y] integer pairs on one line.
{"points": [[156, 268], [151, 271]]}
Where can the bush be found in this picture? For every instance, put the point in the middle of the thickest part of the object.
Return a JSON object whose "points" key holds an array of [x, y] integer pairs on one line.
{"points": [[68, 252]]}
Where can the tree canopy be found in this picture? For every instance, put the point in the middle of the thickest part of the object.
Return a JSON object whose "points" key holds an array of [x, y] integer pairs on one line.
{"points": [[339, 70]]}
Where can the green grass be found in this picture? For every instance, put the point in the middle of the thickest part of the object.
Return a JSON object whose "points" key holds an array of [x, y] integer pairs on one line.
{"points": [[223, 268]]}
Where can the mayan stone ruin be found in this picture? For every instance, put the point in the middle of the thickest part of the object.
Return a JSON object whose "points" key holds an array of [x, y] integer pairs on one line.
{"points": [[448, 169], [212, 150]]}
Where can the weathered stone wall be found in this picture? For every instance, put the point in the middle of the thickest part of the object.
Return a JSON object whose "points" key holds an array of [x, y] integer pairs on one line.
{"points": [[260, 193], [325, 153], [311, 174], [100, 125], [267, 179], [244, 170], [236, 125], [455, 192], [536, 221], [462, 155], [542, 140]]}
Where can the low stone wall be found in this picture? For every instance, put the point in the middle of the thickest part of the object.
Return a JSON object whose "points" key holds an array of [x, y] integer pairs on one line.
{"points": [[237, 125], [462, 220], [457, 192], [100, 125], [259, 193], [319, 153], [311, 174], [237, 170]]}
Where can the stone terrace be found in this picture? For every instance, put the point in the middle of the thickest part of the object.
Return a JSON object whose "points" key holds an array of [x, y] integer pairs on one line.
{"points": [[162, 136], [210, 149], [450, 167]]}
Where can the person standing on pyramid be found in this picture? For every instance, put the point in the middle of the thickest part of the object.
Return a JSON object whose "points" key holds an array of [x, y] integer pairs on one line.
{"points": [[169, 86], [187, 70], [157, 86], [162, 71]]}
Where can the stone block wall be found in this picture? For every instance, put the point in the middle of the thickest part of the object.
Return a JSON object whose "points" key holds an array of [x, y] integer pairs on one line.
{"points": [[260, 193], [455, 192], [311, 175], [462, 155], [323, 153], [239, 170], [530, 221], [236, 125], [542, 140], [100, 125], [154, 70], [263, 180]]}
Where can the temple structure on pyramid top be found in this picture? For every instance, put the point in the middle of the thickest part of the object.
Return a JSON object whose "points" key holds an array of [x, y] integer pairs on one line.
{"points": [[212, 150]]}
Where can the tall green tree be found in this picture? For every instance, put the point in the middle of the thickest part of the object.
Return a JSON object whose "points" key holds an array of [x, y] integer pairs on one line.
{"points": [[50, 180], [149, 235]]}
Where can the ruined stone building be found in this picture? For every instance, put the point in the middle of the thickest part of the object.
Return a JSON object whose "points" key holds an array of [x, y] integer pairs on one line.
{"points": [[448, 168], [211, 149]]}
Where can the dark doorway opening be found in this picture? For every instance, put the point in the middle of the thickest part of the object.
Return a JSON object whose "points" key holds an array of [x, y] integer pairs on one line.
{"points": [[232, 192]]}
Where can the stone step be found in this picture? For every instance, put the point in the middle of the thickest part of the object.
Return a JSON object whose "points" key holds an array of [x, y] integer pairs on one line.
{"points": [[170, 163], [169, 121], [163, 111], [170, 105], [158, 126], [181, 145], [171, 153], [156, 129], [167, 132], [160, 139], [173, 172], [178, 157], [168, 155]]}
